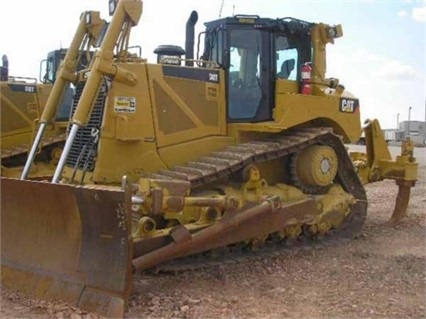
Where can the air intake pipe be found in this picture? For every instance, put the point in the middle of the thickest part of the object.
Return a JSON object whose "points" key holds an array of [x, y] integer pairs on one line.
{"points": [[189, 38]]}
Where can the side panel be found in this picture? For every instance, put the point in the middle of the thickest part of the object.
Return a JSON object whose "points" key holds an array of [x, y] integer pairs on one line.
{"points": [[343, 114], [188, 103], [19, 108], [151, 125], [21, 104], [127, 143]]}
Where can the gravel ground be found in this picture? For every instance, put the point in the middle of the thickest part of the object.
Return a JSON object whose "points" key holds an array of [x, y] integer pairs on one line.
{"points": [[381, 274]]}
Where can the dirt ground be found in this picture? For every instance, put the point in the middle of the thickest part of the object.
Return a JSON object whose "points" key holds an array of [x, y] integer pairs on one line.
{"points": [[381, 274]]}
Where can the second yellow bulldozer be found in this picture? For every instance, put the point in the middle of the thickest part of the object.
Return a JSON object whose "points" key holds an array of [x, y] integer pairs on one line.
{"points": [[22, 104], [243, 144], [21, 101]]}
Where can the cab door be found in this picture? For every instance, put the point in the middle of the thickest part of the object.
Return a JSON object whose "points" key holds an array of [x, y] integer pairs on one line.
{"points": [[250, 77]]}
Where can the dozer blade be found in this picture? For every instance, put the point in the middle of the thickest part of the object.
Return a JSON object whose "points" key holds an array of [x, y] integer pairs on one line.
{"points": [[402, 199], [67, 243]]}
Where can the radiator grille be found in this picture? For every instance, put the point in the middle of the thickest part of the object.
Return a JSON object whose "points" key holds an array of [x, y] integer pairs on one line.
{"points": [[83, 150]]}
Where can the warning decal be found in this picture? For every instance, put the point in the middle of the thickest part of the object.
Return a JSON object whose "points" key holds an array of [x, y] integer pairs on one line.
{"points": [[125, 104]]}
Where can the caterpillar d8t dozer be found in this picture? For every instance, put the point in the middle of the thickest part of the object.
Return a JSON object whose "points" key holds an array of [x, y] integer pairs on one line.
{"points": [[22, 102], [241, 145]]}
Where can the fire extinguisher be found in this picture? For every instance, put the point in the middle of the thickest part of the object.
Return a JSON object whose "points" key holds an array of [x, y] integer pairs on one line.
{"points": [[306, 79]]}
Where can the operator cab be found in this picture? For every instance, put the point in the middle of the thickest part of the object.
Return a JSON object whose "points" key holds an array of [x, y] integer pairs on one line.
{"points": [[49, 67], [255, 52]]}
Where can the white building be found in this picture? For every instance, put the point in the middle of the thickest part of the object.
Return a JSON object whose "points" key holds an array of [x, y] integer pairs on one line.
{"points": [[416, 130]]}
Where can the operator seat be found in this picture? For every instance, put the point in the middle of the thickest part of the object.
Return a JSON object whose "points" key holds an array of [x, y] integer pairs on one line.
{"points": [[286, 67]]}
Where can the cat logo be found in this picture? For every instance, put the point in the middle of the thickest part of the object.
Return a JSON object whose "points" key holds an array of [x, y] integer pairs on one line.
{"points": [[348, 105]]}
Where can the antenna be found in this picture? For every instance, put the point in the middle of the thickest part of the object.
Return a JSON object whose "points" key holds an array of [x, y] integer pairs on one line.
{"points": [[233, 9], [221, 7]]}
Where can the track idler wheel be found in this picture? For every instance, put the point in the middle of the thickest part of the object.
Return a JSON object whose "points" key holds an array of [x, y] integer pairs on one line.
{"points": [[314, 168]]}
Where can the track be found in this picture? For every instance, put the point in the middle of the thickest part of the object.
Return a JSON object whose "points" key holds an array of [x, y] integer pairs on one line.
{"points": [[16, 156], [240, 254], [219, 165]]}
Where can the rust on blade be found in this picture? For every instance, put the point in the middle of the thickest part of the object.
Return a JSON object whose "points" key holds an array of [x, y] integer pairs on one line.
{"points": [[68, 243]]}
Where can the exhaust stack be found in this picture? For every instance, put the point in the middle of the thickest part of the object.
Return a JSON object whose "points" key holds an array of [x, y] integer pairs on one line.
{"points": [[4, 74], [189, 37]]}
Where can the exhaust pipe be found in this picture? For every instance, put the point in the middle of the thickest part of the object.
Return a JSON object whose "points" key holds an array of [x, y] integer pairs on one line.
{"points": [[189, 38], [4, 76]]}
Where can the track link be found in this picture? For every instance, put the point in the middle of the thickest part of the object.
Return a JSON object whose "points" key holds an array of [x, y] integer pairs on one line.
{"points": [[240, 255]]}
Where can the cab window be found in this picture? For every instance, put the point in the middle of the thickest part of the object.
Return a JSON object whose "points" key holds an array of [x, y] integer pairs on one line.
{"points": [[50, 70], [287, 59]]}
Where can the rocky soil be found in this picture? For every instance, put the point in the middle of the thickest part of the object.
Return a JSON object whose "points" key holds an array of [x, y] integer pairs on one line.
{"points": [[380, 274]]}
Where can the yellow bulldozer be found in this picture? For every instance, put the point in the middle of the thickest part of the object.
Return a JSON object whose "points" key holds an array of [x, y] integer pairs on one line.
{"points": [[241, 145], [22, 100]]}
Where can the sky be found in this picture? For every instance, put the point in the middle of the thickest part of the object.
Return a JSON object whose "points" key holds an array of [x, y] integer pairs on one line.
{"points": [[381, 57]]}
